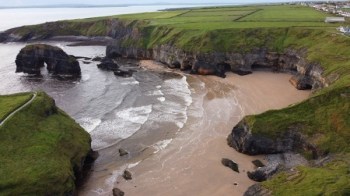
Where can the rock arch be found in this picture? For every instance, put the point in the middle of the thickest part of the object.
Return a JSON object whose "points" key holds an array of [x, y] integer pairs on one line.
{"points": [[33, 57]]}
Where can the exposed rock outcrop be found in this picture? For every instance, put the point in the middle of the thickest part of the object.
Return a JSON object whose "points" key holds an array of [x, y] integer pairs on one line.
{"points": [[245, 142], [122, 152], [257, 190], [309, 75], [108, 64], [263, 173], [33, 57], [127, 175], [118, 192], [230, 164], [122, 73], [127, 39]]}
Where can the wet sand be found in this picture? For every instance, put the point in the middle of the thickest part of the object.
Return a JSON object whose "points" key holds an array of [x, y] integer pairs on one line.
{"points": [[191, 163]]}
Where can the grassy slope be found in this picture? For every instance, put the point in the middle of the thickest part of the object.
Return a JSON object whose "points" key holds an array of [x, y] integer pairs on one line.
{"points": [[10, 103], [38, 150], [324, 118], [331, 179]]}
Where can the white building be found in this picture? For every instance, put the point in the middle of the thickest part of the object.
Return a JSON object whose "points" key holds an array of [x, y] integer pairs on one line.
{"points": [[334, 19]]}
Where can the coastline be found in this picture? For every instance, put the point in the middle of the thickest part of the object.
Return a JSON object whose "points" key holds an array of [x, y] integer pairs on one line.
{"points": [[186, 161], [192, 158]]}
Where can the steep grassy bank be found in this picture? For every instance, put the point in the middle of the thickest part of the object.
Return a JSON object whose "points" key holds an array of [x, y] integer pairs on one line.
{"points": [[323, 119], [41, 149], [10, 103]]}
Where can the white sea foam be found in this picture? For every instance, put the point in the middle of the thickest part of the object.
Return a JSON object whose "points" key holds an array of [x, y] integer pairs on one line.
{"points": [[158, 87], [85, 77], [179, 88], [89, 124], [180, 124], [132, 165], [110, 131], [130, 82], [161, 145], [136, 115], [155, 93], [114, 176], [161, 99]]}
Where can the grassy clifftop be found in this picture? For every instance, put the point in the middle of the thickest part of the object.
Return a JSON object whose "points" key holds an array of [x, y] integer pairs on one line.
{"points": [[10, 103], [41, 148], [324, 118]]}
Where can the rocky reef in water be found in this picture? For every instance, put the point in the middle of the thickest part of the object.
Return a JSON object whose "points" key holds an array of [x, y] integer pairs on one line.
{"points": [[33, 57]]}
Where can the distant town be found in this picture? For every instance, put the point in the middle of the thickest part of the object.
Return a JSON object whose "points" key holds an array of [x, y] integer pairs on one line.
{"points": [[340, 10]]}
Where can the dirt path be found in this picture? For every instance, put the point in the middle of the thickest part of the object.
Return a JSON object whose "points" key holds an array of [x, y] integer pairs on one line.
{"points": [[19, 109]]}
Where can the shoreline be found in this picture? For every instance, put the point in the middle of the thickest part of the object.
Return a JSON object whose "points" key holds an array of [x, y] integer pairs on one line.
{"points": [[192, 160]]}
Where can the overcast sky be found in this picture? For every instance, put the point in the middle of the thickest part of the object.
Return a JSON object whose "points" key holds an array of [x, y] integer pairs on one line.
{"points": [[94, 2]]}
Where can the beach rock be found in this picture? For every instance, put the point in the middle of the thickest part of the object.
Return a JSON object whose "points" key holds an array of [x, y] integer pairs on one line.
{"points": [[92, 156], [217, 63], [263, 173], [97, 58], [125, 74], [258, 163], [204, 68], [230, 164], [175, 65], [301, 82], [33, 57], [117, 192], [123, 152], [127, 175], [242, 139], [257, 190], [108, 64]]}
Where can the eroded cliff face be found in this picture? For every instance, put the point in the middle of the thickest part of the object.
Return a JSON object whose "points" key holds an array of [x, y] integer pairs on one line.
{"points": [[129, 39], [243, 140], [307, 75]]}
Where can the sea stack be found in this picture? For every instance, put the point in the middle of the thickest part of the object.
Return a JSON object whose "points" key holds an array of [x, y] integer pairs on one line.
{"points": [[33, 57]]}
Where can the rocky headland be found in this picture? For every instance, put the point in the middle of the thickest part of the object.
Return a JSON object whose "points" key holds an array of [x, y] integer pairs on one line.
{"points": [[127, 39], [316, 128], [35, 56], [44, 151]]}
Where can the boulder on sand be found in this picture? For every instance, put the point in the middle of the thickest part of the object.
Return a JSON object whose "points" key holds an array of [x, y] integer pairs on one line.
{"points": [[230, 164], [117, 192]]}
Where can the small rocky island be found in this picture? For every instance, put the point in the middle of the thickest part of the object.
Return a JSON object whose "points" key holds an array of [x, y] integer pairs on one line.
{"points": [[33, 57]]}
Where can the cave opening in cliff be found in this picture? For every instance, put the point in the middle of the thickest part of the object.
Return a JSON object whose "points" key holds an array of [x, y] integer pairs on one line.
{"points": [[224, 66], [260, 67]]}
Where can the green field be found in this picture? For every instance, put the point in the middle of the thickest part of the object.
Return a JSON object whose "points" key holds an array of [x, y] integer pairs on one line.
{"points": [[233, 17], [40, 149], [9, 103], [324, 118]]}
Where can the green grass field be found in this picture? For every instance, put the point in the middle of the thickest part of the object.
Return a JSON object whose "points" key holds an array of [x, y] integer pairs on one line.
{"points": [[324, 118], [40, 147], [235, 17], [9, 103]]}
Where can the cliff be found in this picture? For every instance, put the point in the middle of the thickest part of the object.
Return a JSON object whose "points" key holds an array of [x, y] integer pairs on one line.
{"points": [[308, 75], [33, 57], [242, 40], [43, 151]]}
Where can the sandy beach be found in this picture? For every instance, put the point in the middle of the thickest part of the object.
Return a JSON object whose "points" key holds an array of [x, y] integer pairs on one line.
{"points": [[191, 163]]}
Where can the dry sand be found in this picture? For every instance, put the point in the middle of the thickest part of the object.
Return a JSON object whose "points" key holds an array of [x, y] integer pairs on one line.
{"points": [[191, 163]]}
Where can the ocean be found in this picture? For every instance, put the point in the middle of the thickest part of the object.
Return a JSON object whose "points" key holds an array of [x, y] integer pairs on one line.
{"points": [[173, 125], [141, 113]]}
